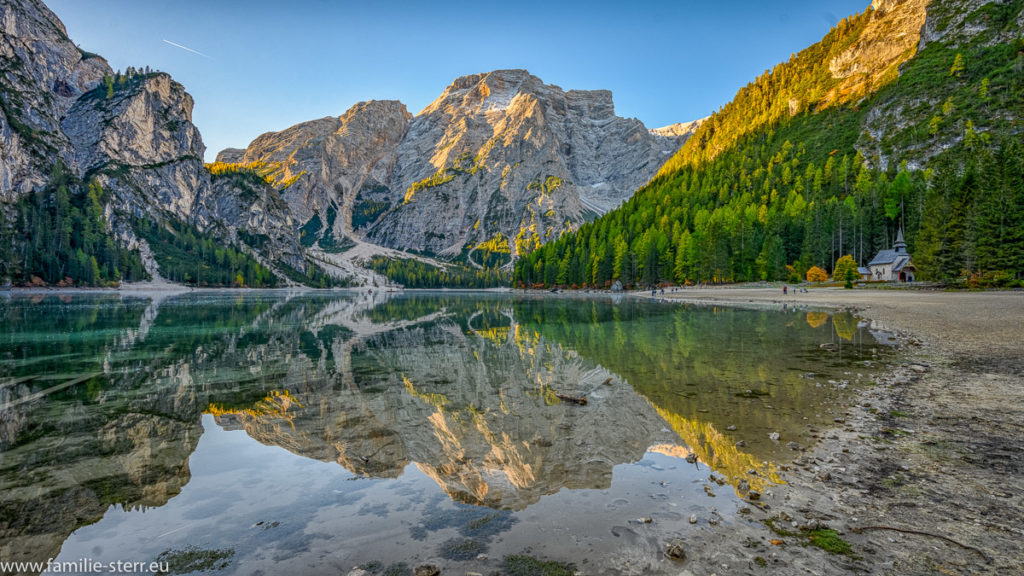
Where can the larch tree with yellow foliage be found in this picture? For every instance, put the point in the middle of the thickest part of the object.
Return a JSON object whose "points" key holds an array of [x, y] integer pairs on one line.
{"points": [[845, 266]]}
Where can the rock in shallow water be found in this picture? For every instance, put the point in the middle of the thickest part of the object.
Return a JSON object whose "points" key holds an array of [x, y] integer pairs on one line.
{"points": [[675, 550], [427, 570]]}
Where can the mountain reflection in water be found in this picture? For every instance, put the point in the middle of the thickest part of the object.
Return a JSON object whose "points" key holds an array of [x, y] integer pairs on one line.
{"points": [[103, 395]]}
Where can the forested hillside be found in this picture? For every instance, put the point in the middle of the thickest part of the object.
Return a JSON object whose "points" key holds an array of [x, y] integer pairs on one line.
{"points": [[59, 235], [805, 166]]}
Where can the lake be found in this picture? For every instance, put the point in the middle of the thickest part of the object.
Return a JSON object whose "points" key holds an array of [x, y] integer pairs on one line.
{"points": [[313, 432]]}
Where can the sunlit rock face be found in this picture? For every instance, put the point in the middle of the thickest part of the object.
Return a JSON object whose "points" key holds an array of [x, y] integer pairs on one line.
{"points": [[323, 164], [499, 159], [679, 129], [472, 402], [499, 153], [889, 39]]}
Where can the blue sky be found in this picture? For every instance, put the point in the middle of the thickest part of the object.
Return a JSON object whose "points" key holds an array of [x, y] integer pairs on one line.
{"points": [[269, 65]]}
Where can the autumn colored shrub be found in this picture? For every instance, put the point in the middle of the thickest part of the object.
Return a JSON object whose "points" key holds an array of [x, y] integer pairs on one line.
{"points": [[816, 274]]}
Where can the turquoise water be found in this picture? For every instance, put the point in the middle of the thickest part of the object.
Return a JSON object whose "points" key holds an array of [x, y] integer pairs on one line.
{"points": [[312, 432]]}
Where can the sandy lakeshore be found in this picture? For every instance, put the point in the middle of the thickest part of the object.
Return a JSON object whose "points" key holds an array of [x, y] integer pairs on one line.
{"points": [[924, 473]]}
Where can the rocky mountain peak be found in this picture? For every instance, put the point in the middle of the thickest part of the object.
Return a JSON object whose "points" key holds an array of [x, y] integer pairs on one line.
{"points": [[285, 146], [231, 155], [499, 157], [374, 107], [488, 91], [34, 34], [679, 129], [495, 91]]}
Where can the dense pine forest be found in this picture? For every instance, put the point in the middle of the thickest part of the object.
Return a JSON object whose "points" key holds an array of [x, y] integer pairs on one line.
{"points": [[773, 184], [415, 274], [58, 235], [185, 255]]}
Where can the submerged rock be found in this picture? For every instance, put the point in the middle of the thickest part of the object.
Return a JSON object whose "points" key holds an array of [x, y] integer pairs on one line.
{"points": [[674, 551], [427, 570]]}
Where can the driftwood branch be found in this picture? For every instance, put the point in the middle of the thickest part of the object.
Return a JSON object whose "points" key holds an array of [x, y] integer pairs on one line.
{"points": [[574, 399], [920, 533]]}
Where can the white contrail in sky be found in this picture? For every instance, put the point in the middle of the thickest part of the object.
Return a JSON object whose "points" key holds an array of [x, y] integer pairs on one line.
{"points": [[185, 48]]}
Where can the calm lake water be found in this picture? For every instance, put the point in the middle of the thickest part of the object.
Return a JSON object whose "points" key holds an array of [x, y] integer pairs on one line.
{"points": [[311, 432]]}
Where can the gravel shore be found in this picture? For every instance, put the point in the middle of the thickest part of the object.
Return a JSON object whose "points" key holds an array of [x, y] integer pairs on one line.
{"points": [[924, 474]]}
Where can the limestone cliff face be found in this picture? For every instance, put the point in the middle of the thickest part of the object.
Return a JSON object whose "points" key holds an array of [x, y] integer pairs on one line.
{"points": [[42, 74], [323, 164], [230, 155], [521, 158], [236, 204], [497, 156], [889, 39], [140, 143], [132, 133]]}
